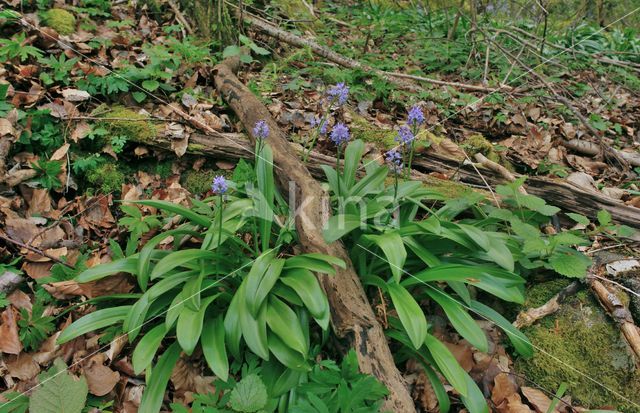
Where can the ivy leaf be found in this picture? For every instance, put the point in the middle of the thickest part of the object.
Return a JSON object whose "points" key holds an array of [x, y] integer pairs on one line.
{"points": [[569, 262], [249, 395], [59, 391]]}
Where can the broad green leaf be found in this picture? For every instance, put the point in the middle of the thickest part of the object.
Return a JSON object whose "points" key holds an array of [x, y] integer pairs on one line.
{"points": [[411, 315], [444, 404], [147, 347], [340, 225], [604, 217], [569, 262], [327, 258], [447, 364], [190, 323], [266, 186], [259, 284], [500, 254], [477, 235], [310, 263], [150, 84], [308, 288], [230, 51], [249, 395], [286, 355], [94, 321], [460, 319], [232, 329], [158, 380], [474, 401], [520, 342], [580, 219], [214, 349], [368, 184], [352, 156], [128, 265], [424, 254], [284, 322], [254, 330], [391, 244], [135, 318], [59, 391], [180, 258]]}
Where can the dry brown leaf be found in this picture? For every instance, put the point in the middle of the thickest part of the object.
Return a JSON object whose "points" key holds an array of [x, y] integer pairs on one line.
{"points": [[463, 354], [100, 378], [75, 95], [22, 367], [186, 379], [40, 203], [6, 128], [20, 300], [60, 153], [513, 404], [446, 147], [537, 399], [37, 270], [225, 165], [9, 339], [81, 130], [504, 386]]}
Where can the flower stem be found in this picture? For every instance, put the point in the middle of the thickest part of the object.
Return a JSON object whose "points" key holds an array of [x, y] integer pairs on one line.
{"points": [[338, 171], [220, 202]]}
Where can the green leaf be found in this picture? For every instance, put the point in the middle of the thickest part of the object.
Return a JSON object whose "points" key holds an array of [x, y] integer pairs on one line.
{"points": [[150, 85], [59, 391], [254, 330], [147, 347], [263, 275], [94, 321], [391, 244], [447, 364], [214, 349], [249, 395], [460, 319], [285, 355], [284, 322], [411, 315], [158, 380], [580, 219], [352, 156], [266, 187], [139, 96], [190, 324], [520, 342], [474, 401], [500, 254], [232, 328], [230, 51], [179, 258], [340, 225], [128, 265], [177, 209], [308, 289], [604, 217], [310, 263], [569, 262]]}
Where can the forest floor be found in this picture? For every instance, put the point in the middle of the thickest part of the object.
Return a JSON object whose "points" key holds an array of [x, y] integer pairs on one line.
{"points": [[105, 103]]}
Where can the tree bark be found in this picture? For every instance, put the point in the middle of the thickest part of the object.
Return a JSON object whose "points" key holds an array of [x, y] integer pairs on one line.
{"points": [[351, 314]]}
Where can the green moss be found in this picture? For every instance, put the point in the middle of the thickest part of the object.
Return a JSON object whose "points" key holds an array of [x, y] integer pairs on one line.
{"points": [[541, 292], [107, 177], [195, 148], [582, 338], [125, 122], [60, 20], [198, 182], [297, 11]]}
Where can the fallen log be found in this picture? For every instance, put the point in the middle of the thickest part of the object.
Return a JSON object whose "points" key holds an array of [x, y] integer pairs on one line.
{"points": [[351, 314], [563, 194]]}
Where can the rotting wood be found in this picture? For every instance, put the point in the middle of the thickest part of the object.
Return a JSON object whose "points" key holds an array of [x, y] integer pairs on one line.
{"points": [[9, 281], [593, 149], [351, 314]]}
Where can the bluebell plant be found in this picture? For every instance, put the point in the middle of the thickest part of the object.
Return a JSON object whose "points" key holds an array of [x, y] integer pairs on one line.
{"points": [[219, 187], [395, 163], [336, 96], [339, 136]]}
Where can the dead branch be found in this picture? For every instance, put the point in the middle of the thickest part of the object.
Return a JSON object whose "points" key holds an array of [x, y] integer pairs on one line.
{"points": [[351, 313], [530, 316], [618, 311], [393, 77], [496, 167]]}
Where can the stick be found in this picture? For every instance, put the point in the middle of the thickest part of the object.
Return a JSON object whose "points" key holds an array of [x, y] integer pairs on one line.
{"points": [[530, 316], [351, 313], [496, 167], [35, 250]]}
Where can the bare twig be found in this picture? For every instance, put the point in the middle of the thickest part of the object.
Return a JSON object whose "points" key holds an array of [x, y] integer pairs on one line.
{"points": [[34, 250], [530, 316]]}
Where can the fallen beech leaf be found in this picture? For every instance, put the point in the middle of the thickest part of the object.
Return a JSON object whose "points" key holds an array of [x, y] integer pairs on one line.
{"points": [[100, 378], [6, 128], [503, 388], [40, 203], [60, 153], [82, 130], [20, 300], [22, 367], [186, 378], [75, 95], [9, 340], [225, 165], [537, 399], [37, 270]]}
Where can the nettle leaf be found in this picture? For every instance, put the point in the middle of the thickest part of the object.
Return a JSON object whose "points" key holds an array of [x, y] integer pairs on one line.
{"points": [[604, 217], [580, 219], [569, 262], [249, 395], [59, 391]]}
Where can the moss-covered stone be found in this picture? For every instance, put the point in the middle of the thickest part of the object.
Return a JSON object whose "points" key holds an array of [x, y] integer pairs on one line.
{"points": [[121, 121], [581, 338], [198, 182], [60, 20], [107, 177]]}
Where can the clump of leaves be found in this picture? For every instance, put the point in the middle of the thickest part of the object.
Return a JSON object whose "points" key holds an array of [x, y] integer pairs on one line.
{"points": [[333, 388], [34, 326], [15, 48], [48, 172]]}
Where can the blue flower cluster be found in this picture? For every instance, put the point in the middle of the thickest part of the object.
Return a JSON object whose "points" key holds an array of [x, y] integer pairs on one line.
{"points": [[405, 135], [219, 186], [339, 93], [340, 134], [394, 160], [261, 130], [416, 117]]}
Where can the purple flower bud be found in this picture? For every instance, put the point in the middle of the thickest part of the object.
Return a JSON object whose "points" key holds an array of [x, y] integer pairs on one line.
{"points": [[339, 93], [339, 134], [261, 130], [219, 185], [416, 117], [405, 136], [315, 121]]}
